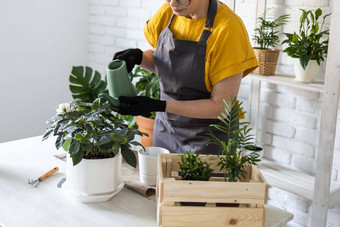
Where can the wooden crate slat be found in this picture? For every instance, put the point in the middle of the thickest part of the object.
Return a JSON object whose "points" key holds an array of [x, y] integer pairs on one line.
{"points": [[212, 216], [207, 191]]}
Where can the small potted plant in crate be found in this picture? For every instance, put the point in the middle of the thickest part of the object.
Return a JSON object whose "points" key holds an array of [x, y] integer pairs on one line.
{"points": [[309, 47], [267, 40], [96, 139], [193, 168], [241, 183]]}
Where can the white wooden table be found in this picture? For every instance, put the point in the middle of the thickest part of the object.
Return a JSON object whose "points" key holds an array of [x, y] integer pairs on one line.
{"points": [[48, 205]]}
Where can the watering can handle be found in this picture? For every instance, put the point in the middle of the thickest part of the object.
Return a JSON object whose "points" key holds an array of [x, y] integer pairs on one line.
{"points": [[113, 101]]}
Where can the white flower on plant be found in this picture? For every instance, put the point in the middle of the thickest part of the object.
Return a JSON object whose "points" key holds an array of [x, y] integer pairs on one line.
{"points": [[64, 108]]}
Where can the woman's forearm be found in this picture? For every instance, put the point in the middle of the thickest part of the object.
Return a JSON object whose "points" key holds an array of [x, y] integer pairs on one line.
{"points": [[147, 61], [203, 108], [208, 108]]}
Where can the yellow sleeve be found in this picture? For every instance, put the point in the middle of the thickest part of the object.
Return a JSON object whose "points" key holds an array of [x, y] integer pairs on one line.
{"points": [[232, 52], [155, 25]]}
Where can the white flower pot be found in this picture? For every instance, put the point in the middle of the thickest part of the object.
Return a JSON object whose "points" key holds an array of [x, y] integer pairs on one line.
{"points": [[147, 161], [308, 74], [94, 180]]}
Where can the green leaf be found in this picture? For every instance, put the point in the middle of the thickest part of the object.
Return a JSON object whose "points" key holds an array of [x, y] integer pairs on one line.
{"points": [[74, 147], [304, 59], [59, 141], [77, 157], [66, 144], [85, 84], [47, 134], [129, 157], [318, 13]]}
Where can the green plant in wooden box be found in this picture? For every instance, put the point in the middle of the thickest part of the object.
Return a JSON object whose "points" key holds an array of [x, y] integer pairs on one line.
{"points": [[239, 138], [193, 168]]}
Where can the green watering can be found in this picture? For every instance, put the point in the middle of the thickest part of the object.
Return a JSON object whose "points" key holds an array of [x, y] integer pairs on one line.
{"points": [[118, 82]]}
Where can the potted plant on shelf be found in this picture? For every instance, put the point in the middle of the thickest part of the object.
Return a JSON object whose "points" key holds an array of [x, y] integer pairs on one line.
{"points": [[147, 85], [309, 47], [267, 39], [96, 139]]}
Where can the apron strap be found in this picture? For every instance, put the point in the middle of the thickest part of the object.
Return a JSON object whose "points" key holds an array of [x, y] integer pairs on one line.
{"points": [[209, 22], [170, 20]]}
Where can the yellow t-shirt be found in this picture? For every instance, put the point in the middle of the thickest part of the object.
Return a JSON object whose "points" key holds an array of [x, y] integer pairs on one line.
{"points": [[228, 52]]}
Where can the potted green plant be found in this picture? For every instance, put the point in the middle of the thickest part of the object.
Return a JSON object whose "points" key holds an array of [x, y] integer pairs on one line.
{"points": [[309, 46], [267, 40], [147, 84], [235, 158], [193, 168], [241, 181], [95, 137]]}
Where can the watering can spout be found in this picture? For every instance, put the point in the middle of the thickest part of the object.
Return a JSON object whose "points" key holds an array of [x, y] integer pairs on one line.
{"points": [[118, 82]]}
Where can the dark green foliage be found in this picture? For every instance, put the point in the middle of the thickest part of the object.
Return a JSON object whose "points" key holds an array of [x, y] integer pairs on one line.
{"points": [[147, 85], [193, 168], [233, 160], [92, 131], [307, 45], [266, 33], [85, 84]]}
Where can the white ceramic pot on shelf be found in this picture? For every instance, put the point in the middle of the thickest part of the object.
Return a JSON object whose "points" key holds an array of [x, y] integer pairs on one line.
{"points": [[308, 74], [94, 180]]}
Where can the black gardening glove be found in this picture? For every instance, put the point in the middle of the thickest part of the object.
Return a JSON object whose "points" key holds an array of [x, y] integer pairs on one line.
{"points": [[140, 105], [132, 57]]}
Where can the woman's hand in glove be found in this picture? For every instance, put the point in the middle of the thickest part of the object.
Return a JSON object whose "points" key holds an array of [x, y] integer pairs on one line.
{"points": [[140, 105], [132, 57]]}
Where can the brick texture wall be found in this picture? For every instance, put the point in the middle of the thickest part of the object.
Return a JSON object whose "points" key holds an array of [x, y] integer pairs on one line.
{"points": [[289, 117]]}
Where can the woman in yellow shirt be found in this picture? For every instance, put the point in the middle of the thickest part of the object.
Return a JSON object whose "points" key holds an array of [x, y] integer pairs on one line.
{"points": [[200, 52]]}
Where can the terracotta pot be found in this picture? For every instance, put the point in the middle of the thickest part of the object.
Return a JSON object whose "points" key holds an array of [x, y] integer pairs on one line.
{"points": [[146, 125]]}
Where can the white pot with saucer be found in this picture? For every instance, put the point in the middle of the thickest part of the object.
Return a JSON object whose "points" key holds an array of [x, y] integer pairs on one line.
{"points": [[94, 180]]}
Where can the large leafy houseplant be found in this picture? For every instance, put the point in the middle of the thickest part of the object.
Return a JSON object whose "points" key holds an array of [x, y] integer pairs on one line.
{"points": [[92, 131], [311, 42], [266, 42], [233, 161]]}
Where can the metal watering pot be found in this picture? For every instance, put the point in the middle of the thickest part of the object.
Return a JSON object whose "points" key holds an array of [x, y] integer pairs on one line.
{"points": [[118, 82]]}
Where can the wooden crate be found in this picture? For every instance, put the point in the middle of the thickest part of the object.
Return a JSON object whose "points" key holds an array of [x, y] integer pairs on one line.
{"points": [[250, 195]]}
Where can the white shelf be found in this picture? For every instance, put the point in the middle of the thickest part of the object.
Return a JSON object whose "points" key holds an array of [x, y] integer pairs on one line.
{"points": [[318, 189], [295, 181], [288, 80]]}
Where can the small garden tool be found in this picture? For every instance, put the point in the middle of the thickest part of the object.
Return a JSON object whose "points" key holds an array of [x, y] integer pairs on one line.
{"points": [[36, 182]]}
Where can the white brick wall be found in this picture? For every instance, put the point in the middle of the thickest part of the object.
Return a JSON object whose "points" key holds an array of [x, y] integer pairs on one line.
{"points": [[115, 25], [289, 117]]}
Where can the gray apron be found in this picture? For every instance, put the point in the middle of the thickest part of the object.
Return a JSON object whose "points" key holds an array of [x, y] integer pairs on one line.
{"points": [[180, 66]]}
